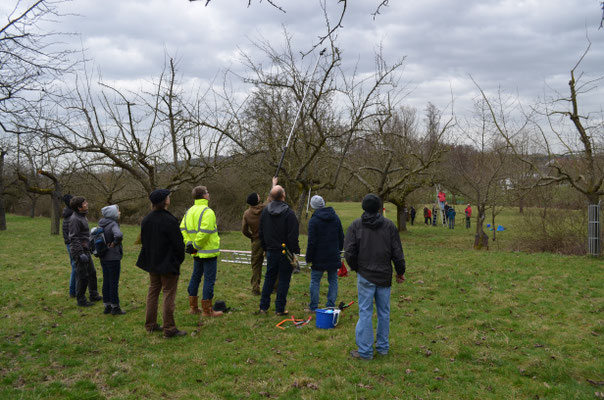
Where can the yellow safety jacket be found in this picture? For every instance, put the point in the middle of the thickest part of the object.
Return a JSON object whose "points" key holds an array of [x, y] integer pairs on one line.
{"points": [[198, 227]]}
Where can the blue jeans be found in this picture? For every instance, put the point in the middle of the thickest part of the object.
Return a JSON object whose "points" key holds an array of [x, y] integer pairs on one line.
{"points": [[451, 222], [277, 265], [364, 330], [111, 281], [72, 277], [205, 267], [315, 283]]}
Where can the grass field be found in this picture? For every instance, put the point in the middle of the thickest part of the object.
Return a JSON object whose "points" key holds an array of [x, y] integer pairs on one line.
{"points": [[465, 325]]}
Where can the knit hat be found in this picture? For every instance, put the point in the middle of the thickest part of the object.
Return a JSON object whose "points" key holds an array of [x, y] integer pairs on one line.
{"points": [[252, 199], [158, 195], [372, 203], [67, 198], [317, 202]]}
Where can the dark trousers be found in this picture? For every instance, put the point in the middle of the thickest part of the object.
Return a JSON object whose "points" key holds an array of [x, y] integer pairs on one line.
{"points": [[86, 278], [467, 222], [157, 283], [111, 279], [257, 260], [277, 265]]}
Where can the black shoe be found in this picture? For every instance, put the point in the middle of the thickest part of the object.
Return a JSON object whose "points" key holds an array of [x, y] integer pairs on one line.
{"points": [[155, 328], [72, 295], [284, 312], [175, 334], [85, 303], [117, 311], [107, 310], [96, 298]]}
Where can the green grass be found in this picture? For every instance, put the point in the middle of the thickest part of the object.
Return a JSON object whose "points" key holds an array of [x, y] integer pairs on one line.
{"points": [[465, 325]]}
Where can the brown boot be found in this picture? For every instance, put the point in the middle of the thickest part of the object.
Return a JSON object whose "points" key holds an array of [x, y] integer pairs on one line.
{"points": [[206, 305], [193, 304]]}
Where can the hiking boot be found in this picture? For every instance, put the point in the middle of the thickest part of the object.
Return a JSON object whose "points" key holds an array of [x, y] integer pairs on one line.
{"points": [[260, 312], [206, 306], [284, 312], [85, 303], [96, 297], [117, 311], [193, 305], [174, 334], [355, 354], [107, 309]]}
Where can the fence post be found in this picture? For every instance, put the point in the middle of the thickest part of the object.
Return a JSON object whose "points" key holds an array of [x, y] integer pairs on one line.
{"points": [[594, 229]]}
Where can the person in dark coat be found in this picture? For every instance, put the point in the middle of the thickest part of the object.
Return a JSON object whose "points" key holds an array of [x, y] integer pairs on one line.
{"points": [[162, 252], [451, 217], [325, 242], [67, 213], [371, 246], [446, 213], [278, 227], [111, 260], [413, 213], [426, 216], [79, 242]]}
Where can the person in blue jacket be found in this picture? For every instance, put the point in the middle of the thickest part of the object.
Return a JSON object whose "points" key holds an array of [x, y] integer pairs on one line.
{"points": [[325, 242], [451, 217]]}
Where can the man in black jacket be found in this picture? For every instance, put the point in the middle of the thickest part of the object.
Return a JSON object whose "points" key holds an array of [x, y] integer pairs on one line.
{"points": [[79, 242], [278, 227], [162, 252], [372, 244], [67, 213]]}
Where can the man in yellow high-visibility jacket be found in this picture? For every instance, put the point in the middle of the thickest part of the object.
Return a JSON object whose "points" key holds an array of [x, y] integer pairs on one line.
{"points": [[198, 228]]}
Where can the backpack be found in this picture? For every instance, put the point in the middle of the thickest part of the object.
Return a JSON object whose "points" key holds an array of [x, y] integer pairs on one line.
{"points": [[98, 245]]}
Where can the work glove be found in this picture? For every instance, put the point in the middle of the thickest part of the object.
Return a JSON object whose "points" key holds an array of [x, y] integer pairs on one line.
{"points": [[190, 249], [84, 257]]}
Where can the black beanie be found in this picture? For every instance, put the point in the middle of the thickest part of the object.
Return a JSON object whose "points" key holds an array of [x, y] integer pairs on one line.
{"points": [[252, 199], [66, 199], [372, 203]]}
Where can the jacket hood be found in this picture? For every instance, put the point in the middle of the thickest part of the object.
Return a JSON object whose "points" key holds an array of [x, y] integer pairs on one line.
{"points": [[277, 207], [110, 212], [371, 220], [325, 214], [257, 209], [67, 212]]}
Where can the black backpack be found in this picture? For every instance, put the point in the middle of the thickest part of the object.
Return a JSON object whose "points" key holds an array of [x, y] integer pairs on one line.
{"points": [[98, 245]]}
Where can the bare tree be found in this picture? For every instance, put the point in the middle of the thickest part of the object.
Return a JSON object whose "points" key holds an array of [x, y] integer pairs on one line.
{"points": [[575, 153], [395, 159]]}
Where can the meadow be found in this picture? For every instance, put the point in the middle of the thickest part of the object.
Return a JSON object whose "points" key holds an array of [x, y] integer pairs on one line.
{"points": [[466, 324]]}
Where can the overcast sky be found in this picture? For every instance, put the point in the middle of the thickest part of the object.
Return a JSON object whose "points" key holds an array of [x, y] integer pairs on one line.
{"points": [[520, 45]]}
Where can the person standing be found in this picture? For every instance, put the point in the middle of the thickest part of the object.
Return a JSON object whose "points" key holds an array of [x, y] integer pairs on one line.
{"points": [[413, 213], [371, 246], [161, 254], [250, 227], [451, 217], [79, 242], [434, 213], [325, 242], [111, 260], [426, 215], [67, 213], [278, 227], [468, 212], [446, 213], [200, 234]]}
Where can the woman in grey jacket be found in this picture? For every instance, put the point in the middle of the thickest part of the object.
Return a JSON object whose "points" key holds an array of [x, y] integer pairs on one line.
{"points": [[111, 260]]}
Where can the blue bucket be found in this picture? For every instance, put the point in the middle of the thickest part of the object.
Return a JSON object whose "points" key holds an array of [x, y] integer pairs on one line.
{"points": [[327, 319]]}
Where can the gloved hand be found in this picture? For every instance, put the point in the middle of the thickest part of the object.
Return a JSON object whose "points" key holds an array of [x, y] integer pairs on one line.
{"points": [[84, 257], [190, 249]]}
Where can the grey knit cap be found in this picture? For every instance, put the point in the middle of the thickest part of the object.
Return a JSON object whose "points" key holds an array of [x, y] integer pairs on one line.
{"points": [[317, 202]]}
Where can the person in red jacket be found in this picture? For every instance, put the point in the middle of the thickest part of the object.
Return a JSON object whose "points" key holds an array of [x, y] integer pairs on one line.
{"points": [[468, 215]]}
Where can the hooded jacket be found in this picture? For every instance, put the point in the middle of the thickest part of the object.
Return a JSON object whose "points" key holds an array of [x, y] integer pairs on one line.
{"points": [[67, 213], [112, 233], [79, 234], [278, 225], [250, 225], [325, 240], [372, 244], [163, 249]]}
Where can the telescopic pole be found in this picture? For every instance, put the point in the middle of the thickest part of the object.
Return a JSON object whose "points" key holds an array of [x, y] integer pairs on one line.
{"points": [[298, 114]]}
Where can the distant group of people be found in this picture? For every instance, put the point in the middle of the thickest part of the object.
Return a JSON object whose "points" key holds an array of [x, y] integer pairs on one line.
{"points": [[448, 213], [371, 246]]}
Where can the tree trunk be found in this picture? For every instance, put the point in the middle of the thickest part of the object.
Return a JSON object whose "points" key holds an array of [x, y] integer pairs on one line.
{"points": [[521, 205], [401, 217], [32, 209], [55, 210], [481, 240], [2, 210]]}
